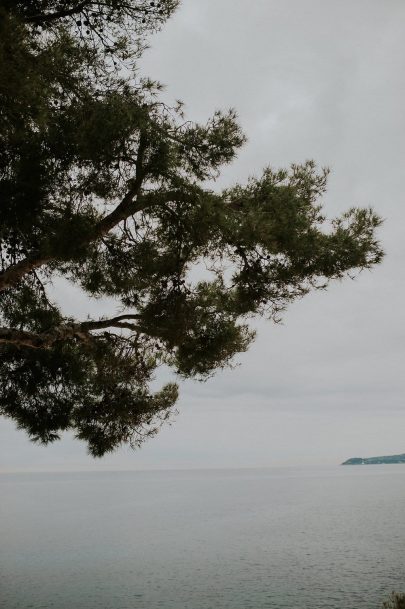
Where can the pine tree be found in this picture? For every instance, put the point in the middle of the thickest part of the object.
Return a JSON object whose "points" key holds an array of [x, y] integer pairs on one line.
{"points": [[105, 185]]}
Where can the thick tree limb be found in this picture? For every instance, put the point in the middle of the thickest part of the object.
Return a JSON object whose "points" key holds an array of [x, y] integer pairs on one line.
{"points": [[14, 273], [95, 324], [120, 321], [21, 338], [128, 206], [11, 336], [131, 204], [80, 331]]}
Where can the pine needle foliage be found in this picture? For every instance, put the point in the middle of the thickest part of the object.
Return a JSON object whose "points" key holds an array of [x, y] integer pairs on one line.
{"points": [[103, 184], [396, 600]]}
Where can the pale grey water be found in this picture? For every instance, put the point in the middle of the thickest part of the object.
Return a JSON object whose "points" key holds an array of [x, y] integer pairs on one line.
{"points": [[329, 538]]}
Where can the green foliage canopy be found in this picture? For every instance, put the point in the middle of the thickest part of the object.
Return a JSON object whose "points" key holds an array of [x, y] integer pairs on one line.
{"points": [[105, 185]]}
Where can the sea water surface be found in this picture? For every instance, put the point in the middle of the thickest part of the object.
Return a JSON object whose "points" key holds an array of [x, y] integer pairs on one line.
{"points": [[326, 538]]}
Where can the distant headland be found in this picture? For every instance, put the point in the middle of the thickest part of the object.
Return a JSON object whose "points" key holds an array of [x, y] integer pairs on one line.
{"points": [[375, 460]]}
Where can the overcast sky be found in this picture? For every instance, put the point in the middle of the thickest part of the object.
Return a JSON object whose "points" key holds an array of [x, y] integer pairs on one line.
{"points": [[316, 79]]}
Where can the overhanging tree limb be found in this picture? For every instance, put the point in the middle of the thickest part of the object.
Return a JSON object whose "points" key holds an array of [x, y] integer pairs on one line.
{"points": [[129, 206], [81, 331]]}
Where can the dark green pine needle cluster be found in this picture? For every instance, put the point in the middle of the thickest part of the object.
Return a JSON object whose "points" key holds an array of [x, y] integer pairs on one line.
{"points": [[105, 185], [396, 600]]}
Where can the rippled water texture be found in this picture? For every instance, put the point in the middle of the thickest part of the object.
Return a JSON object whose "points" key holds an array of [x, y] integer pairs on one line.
{"points": [[306, 539]]}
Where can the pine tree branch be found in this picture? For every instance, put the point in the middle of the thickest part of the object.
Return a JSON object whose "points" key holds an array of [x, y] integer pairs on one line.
{"points": [[45, 340], [42, 17], [20, 338], [80, 331], [128, 206], [132, 203], [14, 273], [118, 321]]}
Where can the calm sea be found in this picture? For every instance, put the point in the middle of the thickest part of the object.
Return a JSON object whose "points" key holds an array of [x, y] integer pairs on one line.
{"points": [[226, 539]]}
